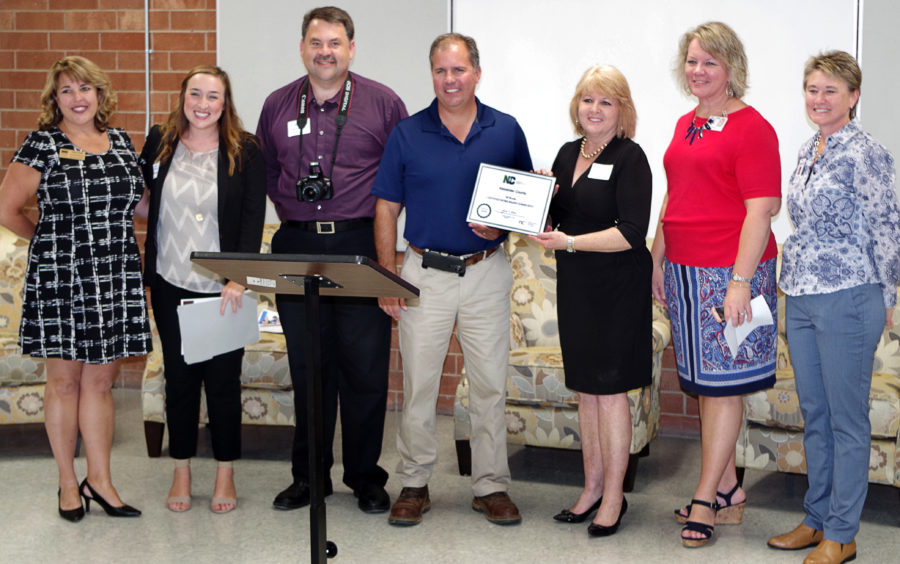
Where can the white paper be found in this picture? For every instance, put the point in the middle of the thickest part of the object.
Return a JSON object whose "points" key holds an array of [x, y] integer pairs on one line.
{"points": [[510, 199], [269, 322], [762, 316], [205, 333]]}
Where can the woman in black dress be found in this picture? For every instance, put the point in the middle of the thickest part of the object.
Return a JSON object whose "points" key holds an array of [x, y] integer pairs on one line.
{"points": [[601, 212], [83, 306]]}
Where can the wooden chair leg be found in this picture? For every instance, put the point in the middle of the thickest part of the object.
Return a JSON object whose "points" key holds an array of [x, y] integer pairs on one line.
{"points": [[631, 472], [464, 457], [153, 433]]}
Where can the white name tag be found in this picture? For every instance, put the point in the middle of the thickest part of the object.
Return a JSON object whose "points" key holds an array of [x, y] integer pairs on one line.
{"points": [[600, 171], [717, 123], [294, 130]]}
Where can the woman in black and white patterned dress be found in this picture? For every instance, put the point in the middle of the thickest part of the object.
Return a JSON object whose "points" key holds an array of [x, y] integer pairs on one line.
{"points": [[84, 306]]}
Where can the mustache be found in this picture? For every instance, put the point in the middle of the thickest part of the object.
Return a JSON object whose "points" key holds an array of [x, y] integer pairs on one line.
{"points": [[324, 59]]}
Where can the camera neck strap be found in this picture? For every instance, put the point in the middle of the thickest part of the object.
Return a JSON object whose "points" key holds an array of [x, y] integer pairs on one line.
{"points": [[340, 119]]}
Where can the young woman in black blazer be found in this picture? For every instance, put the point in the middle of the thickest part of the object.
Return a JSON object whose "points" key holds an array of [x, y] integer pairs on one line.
{"points": [[206, 191]]}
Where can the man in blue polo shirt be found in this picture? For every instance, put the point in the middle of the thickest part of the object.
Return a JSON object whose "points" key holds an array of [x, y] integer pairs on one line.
{"points": [[429, 166]]}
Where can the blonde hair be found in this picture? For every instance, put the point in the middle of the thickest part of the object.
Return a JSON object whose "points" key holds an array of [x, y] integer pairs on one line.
{"points": [[82, 70], [836, 64], [720, 41], [231, 130], [608, 80]]}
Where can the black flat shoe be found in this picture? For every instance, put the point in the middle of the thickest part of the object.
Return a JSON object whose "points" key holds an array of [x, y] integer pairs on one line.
{"points": [[120, 511], [72, 515], [566, 516], [596, 530], [373, 499], [296, 495]]}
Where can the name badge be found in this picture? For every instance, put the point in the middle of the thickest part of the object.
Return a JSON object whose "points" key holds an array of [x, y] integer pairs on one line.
{"points": [[155, 170], [71, 154], [600, 171], [717, 123], [294, 131]]}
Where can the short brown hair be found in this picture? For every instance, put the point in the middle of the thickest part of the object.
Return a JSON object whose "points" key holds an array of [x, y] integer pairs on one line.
{"points": [[82, 70], [836, 64], [607, 80], [720, 41], [328, 14], [471, 47]]}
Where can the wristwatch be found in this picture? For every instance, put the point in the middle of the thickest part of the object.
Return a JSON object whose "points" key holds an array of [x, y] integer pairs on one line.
{"points": [[738, 278], [570, 245]]}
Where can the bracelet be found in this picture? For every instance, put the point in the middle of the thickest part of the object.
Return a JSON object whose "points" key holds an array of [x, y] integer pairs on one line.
{"points": [[738, 278], [570, 245]]}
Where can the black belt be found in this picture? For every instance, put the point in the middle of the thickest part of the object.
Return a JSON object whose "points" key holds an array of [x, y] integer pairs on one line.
{"points": [[329, 227]]}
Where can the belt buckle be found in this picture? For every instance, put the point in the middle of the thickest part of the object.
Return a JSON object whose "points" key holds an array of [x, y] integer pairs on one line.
{"points": [[325, 227]]}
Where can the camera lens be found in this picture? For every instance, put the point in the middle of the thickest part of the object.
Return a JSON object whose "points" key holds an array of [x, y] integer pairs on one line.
{"points": [[310, 192]]}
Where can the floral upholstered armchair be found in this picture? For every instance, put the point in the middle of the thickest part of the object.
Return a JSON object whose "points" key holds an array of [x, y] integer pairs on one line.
{"points": [[540, 410], [771, 437], [267, 397], [22, 378]]}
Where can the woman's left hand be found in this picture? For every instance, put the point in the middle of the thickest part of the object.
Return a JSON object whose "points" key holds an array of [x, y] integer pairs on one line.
{"points": [[231, 293], [737, 305], [553, 240]]}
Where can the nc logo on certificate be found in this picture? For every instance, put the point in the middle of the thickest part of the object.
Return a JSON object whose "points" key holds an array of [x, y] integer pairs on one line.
{"points": [[509, 199]]}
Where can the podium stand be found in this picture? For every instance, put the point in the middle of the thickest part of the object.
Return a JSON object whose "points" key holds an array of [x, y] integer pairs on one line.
{"points": [[312, 276]]}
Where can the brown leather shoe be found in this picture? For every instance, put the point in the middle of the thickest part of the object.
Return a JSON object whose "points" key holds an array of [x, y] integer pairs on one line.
{"points": [[801, 537], [410, 506], [831, 552], [498, 508]]}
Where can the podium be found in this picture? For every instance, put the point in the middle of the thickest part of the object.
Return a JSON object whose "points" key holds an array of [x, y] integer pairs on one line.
{"points": [[312, 276]]}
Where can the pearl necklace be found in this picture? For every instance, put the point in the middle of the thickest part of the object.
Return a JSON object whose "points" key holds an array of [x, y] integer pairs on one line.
{"points": [[593, 155]]}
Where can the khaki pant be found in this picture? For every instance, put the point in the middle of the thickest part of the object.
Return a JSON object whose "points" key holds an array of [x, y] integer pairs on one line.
{"points": [[478, 303]]}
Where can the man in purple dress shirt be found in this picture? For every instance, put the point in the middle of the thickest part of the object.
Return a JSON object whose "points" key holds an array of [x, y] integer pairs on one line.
{"points": [[303, 143]]}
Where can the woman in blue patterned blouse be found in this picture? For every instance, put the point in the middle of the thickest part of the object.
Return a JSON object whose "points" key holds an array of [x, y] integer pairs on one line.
{"points": [[840, 270]]}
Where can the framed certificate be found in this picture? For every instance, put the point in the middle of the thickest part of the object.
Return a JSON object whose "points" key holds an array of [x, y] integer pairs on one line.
{"points": [[509, 199]]}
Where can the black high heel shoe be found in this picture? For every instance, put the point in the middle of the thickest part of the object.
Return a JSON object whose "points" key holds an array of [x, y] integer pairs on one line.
{"points": [[121, 511], [72, 515], [567, 516], [596, 530]]}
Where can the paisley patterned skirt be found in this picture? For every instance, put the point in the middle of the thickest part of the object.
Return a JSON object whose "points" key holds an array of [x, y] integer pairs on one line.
{"points": [[706, 366]]}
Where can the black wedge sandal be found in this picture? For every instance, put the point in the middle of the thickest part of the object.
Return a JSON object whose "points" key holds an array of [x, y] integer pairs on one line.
{"points": [[697, 527]]}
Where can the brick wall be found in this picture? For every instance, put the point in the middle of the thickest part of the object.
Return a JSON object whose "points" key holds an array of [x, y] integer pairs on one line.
{"points": [[35, 33]]}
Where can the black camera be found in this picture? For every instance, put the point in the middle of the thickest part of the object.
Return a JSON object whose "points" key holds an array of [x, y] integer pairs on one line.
{"points": [[314, 187]]}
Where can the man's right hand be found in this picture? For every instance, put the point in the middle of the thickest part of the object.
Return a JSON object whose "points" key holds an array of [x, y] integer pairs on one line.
{"points": [[392, 306]]}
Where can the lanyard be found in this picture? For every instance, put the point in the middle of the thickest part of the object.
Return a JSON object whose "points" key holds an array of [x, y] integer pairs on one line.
{"points": [[340, 119]]}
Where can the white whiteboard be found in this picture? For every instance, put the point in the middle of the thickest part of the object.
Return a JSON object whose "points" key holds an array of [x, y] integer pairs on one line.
{"points": [[530, 68], [533, 52]]}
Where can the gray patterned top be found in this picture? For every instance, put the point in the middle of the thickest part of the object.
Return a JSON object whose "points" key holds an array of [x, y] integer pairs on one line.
{"points": [[846, 218], [188, 220]]}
